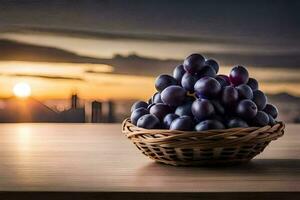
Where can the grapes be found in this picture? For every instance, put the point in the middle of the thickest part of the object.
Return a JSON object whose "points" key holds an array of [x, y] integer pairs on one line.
{"points": [[261, 119], [245, 92], [212, 63], [197, 98], [193, 63], [168, 119], [148, 121], [229, 96], [160, 110], [207, 87], [253, 84], [164, 81], [188, 81], [173, 95], [239, 75], [138, 104], [209, 124], [202, 109], [178, 73], [136, 114], [271, 110], [207, 71], [156, 98], [246, 109], [183, 123], [237, 122], [185, 109], [223, 80], [259, 99]]}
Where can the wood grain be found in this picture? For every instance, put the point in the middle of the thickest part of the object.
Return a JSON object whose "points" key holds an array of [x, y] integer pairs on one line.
{"points": [[98, 158]]}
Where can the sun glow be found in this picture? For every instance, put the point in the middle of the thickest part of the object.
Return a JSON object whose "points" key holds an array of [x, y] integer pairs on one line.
{"points": [[22, 90]]}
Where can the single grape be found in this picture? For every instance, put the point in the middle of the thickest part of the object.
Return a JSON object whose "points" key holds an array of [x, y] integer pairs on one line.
{"points": [[138, 104], [160, 110], [168, 119], [173, 95], [178, 73], [164, 81], [202, 109], [259, 99], [208, 125], [261, 119], [245, 92], [213, 64], [271, 110], [246, 109], [183, 123], [185, 109], [272, 121], [253, 84], [148, 121], [188, 81], [207, 71], [193, 63], [136, 114], [207, 87], [222, 80], [239, 75], [229, 96], [237, 122], [156, 98]]}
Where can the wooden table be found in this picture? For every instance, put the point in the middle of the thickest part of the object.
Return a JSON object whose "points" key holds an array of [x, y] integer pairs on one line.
{"points": [[86, 161]]}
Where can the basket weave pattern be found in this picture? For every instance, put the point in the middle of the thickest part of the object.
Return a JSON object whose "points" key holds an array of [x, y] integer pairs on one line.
{"points": [[224, 146]]}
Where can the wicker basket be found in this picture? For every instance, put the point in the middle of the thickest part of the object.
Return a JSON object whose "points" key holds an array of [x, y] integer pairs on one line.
{"points": [[227, 146]]}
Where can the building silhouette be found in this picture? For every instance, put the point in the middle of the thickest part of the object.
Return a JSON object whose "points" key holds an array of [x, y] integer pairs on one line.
{"points": [[96, 112]]}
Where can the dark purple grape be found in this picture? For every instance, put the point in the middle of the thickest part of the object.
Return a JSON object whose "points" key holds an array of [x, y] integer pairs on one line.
{"points": [[213, 64], [164, 81], [202, 109], [160, 110], [209, 125], [178, 73], [229, 96], [238, 75], [271, 110], [168, 119], [260, 99], [218, 107], [193, 63], [148, 121], [183, 123], [207, 87], [272, 121], [223, 81], [138, 104], [156, 98], [173, 95], [253, 84], [261, 119], [185, 109], [237, 122], [136, 114], [246, 109], [207, 71], [245, 92], [188, 81]]}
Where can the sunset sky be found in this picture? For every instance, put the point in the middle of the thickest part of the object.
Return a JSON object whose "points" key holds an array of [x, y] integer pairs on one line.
{"points": [[263, 36]]}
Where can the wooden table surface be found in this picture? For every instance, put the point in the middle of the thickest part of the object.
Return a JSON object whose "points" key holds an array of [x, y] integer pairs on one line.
{"points": [[98, 161]]}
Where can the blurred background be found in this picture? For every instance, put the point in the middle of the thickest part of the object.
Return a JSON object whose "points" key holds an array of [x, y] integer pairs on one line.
{"points": [[87, 61]]}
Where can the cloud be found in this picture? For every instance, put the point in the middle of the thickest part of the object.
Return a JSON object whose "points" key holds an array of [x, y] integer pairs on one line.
{"points": [[45, 77]]}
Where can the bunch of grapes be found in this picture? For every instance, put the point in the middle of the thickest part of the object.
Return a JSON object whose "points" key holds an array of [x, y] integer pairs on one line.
{"points": [[197, 98]]}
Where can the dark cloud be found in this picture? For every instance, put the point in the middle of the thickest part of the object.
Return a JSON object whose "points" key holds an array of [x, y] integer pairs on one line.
{"points": [[45, 76]]}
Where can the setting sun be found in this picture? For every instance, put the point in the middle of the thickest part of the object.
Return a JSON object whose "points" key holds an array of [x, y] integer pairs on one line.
{"points": [[22, 90]]}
